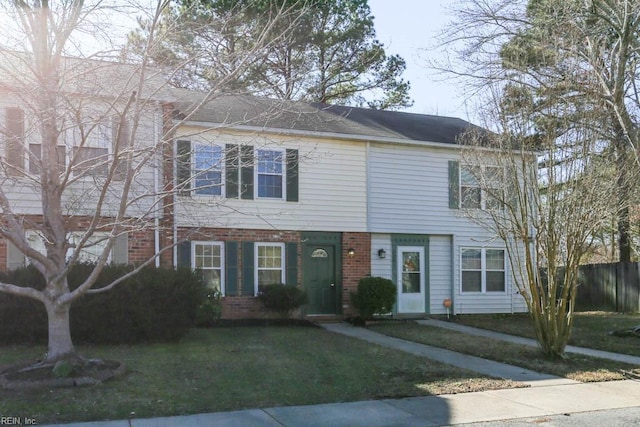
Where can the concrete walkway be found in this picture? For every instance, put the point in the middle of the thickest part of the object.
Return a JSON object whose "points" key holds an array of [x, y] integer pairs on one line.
{"points": [[547, 396], [625, 358], [476, 364]]}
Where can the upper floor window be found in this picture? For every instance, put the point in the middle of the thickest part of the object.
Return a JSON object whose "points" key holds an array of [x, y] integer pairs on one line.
{"points": [[480, 187], [270, 173], [483, 270], [236, 171], [207, 171], [92, 143], [35, 158]]}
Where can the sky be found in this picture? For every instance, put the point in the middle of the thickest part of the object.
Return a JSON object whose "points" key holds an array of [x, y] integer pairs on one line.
{"points": [[409, 28]]}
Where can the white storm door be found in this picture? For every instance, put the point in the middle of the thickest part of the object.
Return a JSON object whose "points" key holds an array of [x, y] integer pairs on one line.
{"points": [[411, 279]]}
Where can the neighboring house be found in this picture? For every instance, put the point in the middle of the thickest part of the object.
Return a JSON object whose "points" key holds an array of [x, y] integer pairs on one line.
{"points": [[95, 120], [321, 196]]}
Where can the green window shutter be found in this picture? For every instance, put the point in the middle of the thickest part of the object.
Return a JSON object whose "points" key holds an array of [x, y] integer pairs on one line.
{"points": [[292, 263], [246, 172], [454, 184], [247, 269], [184, 254], [15, 258], [231, 268], [292, 175], [120, 251], [183, 166], [231, 161], [14, 148]]}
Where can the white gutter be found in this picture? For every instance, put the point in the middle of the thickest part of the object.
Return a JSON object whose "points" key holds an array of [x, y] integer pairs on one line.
{"points": [[326, 135]]}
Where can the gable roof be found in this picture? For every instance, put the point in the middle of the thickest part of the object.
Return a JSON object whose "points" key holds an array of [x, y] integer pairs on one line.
{"points": [[242, 111], [416, 127]]}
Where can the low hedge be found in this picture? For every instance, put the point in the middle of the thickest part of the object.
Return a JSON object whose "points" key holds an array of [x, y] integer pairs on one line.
{"points": [[157, 304], [282, 299], [375, 295]]}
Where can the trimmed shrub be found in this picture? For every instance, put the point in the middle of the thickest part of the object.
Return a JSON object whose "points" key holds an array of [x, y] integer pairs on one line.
{"points": [[282, 299], [210, 309], [153, 305], [375, 295]]}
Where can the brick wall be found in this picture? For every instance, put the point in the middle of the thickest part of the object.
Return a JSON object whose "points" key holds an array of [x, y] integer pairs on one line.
{"points": [[141, 244], [354, 267], [244, 307]]}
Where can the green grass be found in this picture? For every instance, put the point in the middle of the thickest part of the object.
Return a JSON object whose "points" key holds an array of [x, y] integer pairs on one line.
{"points": [[590, 329], [223, 369], [576, 367]]}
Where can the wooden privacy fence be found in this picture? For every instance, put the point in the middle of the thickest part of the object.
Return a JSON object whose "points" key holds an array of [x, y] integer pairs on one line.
{"points": [[609, 287]]}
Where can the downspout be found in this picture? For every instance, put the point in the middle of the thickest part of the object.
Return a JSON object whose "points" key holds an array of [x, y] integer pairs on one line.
{"points": [[368, 185], [174, 180], [454, 265], [156, 177]]}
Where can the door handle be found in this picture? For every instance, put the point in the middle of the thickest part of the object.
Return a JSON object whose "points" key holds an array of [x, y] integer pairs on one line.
{"points": [[333, 285]]}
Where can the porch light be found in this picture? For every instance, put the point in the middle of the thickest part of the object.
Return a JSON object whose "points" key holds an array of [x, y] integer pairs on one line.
{"points": [[351, 252], [382, 253]]}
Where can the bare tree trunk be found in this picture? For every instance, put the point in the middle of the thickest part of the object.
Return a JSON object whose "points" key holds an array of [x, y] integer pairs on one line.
{"points": [[624, 224], [60, 344]]}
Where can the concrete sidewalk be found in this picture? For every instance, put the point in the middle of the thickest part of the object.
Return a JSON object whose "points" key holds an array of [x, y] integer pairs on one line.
{"points": [[419, 411], [625, 358]]}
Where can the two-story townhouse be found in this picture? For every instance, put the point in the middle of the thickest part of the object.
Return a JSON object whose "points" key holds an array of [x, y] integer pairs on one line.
{"points": [[318, 196], [263, 191]]}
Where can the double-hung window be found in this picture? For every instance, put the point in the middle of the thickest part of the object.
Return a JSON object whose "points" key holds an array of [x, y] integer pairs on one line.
{"points": [[270, 173], [91, 146], [483, 270], [93, 248], [90, 252], [269, 263], [207, 169], [208, 257], [35, 158], [480, 187]]}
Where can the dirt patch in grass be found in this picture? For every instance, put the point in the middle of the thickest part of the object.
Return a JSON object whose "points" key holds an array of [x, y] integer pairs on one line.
{"points": [[576, 367], [70, 372]]}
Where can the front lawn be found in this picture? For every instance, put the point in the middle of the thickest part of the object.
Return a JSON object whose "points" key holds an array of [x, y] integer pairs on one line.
{"points": [[576, 367], [230, 368], [590, 329]]}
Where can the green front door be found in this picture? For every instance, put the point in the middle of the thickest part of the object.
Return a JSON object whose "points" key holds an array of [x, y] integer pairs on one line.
{"points": [[320, 278]]}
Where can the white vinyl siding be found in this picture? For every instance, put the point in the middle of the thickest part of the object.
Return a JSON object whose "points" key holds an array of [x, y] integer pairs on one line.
{"points": [[409, 194], [331, 186], [440, 272]]}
